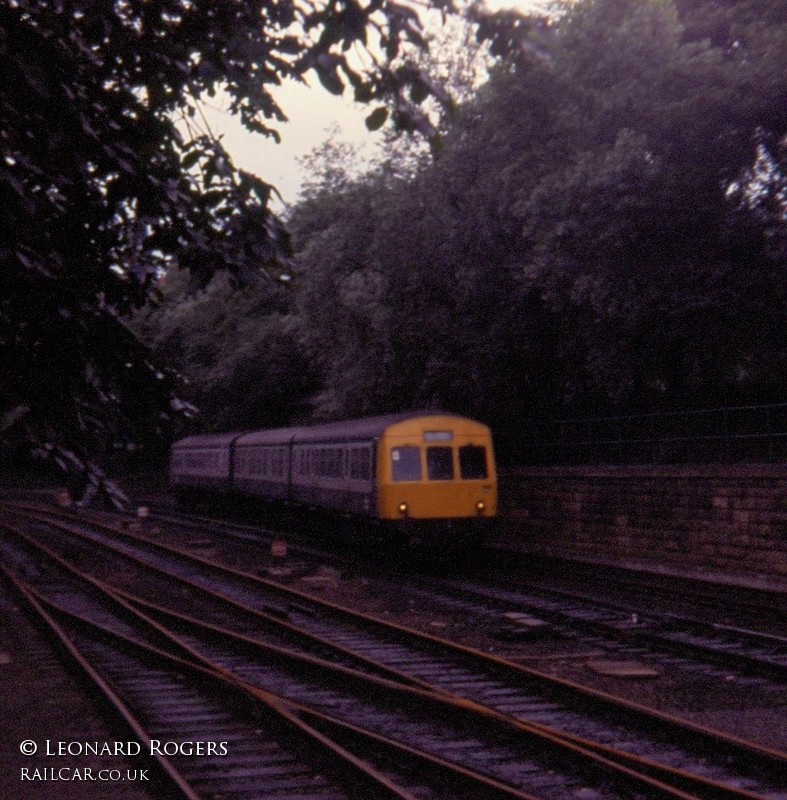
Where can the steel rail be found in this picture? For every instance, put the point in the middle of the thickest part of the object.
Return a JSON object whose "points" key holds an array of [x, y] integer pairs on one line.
{"points": [[753, 664], [272, 620], [296, 713], [712, 735], [702, 589], [719, 787], [594, 616], [380, 783], [653, 787], [127, 718], [665, 774], [771, 665]]}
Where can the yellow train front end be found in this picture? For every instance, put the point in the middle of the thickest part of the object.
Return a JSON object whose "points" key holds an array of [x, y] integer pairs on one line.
{"points": [[436, 477]]}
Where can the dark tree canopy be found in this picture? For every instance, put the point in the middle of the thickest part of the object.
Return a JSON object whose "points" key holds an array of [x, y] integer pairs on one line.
{"points": [[100, 192], [605, 230], [239, 346]]}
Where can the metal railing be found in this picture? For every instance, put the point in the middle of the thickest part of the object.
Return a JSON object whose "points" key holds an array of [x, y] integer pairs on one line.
{"points": [[755, 433]]}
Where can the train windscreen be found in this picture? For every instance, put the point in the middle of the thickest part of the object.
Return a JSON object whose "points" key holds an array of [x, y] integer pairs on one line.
{"points": [[440, 463], [472, 462], [406, 463]]}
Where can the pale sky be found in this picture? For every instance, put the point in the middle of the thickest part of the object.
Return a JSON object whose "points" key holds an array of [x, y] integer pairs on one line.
{"points": [[313, 115]]}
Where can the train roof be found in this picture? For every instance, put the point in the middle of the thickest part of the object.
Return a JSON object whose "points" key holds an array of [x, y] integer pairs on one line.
{"points": [[364, 429], [348, 430], [206, 440], [268, 436]]}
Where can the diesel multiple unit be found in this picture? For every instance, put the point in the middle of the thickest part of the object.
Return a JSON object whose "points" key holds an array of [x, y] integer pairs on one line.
{"points": [[417, 472]]}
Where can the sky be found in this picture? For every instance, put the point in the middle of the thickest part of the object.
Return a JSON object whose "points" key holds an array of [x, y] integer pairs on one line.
{"points": [[313, 115]]}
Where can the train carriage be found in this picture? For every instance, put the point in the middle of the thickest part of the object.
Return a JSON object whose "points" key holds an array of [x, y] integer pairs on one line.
{"points": [[262, 464], [436, 467], [425, 474], [202, 464], [333, 466]]}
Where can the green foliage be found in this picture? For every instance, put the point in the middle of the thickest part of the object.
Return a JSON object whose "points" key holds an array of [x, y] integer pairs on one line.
{"points": [[100, 193], [606, 227], [238, 348], [639, 231]]}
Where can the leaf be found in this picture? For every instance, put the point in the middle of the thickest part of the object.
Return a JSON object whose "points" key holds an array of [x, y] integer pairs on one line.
{"points": [[326, 66], [419, 91], [329, 76], [377, 118], [191, 159]]}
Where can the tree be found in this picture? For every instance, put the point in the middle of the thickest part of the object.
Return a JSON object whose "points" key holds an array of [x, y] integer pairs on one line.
{"points": [[99, 191], [634, 235], [238, 347], [604, 230]]}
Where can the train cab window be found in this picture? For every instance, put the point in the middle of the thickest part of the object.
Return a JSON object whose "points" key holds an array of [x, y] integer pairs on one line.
{"points": [[472, 462], [440, 463], [406, 463]]}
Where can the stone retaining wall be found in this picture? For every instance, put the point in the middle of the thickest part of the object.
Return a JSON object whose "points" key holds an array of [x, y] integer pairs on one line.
{"points": [[730, 520]]}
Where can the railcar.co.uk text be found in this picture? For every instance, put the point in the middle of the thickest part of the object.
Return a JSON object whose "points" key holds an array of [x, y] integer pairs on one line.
{"points": [[63, 749]]}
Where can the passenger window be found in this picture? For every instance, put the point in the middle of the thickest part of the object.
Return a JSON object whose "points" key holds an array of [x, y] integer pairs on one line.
{"points": [[440, 463], [472, 462], [359, 464], [406, 463]]}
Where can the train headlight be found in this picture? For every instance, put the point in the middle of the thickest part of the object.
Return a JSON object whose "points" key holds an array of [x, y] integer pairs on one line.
{"points": [[403, 509], [480, 506]]}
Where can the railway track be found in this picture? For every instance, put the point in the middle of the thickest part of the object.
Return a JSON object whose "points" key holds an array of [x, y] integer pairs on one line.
{"points": [[712, 598], [266, 748], [712, 650], [437, 739], [694, 760], [668, 637]]}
